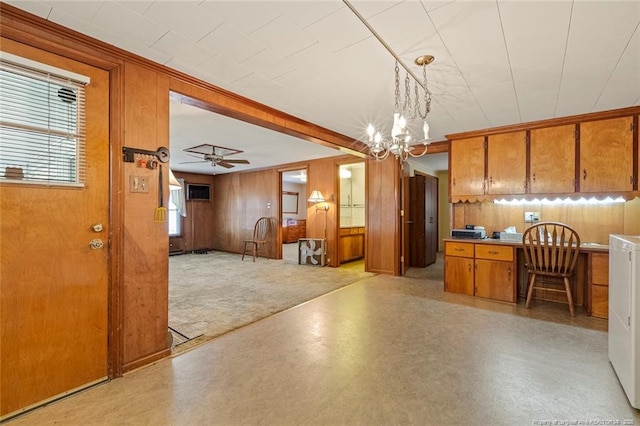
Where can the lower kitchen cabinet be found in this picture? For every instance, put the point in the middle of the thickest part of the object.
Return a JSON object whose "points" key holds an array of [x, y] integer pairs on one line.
{"points": [[458, 275], [483, 270]]}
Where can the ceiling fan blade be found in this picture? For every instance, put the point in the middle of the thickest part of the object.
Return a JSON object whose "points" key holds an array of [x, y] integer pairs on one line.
{"points": [[225, 164], [237, 161], [191, 162]]}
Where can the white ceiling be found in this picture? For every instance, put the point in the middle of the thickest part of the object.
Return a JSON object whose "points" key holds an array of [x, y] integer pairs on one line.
{"points": [[497, 62]]}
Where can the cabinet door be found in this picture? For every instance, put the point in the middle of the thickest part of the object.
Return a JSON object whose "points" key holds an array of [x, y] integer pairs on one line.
{"points": [[458, 275], [467, 167], [507, 163], [553, 160], [495, 280], [606, 155]]}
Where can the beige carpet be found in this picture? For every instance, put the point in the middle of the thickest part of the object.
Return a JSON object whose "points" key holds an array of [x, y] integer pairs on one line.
{"points": [[214, 293]]}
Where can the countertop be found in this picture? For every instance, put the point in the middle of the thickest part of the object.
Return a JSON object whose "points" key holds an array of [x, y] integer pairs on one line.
{"points": [[595, 247]]}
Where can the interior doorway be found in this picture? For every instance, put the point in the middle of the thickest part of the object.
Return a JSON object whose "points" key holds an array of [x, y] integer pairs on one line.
{"points": [[423, 236], [294, 212], [352, 224]]}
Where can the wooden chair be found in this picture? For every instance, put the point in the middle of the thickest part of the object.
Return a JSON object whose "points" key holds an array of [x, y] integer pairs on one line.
{"points": [[261, 232], [551, 250]]}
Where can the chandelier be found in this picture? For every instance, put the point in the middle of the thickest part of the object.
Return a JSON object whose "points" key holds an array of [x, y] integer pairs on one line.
{"points": [[402, 142]]}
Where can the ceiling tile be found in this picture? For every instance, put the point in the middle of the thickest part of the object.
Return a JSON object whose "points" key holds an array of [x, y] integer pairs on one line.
{"points": [[283, 37], [305, 13], [127, 24], [244, 16], [181, 49], [137, 6], [37, 8], [369, 8], [527, 44], [184, 18], [268, 64], [402, 21], [481, 59], [338, 30], [231, 43], [224, 70], [84, 10]]}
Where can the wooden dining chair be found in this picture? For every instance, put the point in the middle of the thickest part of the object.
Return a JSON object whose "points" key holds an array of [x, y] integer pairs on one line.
{"points": [[261, 232], [551, 250]]}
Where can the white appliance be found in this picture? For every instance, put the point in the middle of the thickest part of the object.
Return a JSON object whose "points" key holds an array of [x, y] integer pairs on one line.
{"points": [[624, 313]]}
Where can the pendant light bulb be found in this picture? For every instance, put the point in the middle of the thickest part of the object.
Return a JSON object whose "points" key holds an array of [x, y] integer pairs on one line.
{"points": [[425, 129]]}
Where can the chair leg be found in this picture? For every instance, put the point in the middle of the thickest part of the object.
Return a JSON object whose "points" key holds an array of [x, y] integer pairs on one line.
{"points": [[567, 287], [532, 280], [244, 250], [255, 251]]}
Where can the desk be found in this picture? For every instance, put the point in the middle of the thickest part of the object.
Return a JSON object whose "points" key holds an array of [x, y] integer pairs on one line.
{"points": [[495, 269]]}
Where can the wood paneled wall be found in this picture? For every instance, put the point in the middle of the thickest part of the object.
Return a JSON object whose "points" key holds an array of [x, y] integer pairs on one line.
{"points": [[240, 199], [198, 227], [145, 261], [593, 223]]}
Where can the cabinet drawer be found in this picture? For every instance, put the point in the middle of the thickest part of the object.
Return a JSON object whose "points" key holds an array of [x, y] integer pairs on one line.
{"points": [[493, 252], [458, 249]]}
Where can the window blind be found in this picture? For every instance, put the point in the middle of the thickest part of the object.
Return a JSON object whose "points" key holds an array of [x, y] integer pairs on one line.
{"points": [[42, 125]]}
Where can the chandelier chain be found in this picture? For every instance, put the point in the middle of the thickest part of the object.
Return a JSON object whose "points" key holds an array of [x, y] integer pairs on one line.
{"points": [[397, 86]]}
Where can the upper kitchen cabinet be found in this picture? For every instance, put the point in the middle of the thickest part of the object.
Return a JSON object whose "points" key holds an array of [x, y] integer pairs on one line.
{"points": [[507, 163], [466, 171], [552, 160], [606, 155]]}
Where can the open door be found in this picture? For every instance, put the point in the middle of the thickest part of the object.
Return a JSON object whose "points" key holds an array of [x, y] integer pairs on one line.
{"points": [[424, 220], [54, 250]]}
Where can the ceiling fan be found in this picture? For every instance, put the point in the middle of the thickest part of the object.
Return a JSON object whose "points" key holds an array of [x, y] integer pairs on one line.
{"points": [[215, 155]]}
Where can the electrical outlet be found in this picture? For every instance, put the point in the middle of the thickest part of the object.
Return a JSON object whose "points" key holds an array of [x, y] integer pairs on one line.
{"points": [[531, 217], [138, 184]]}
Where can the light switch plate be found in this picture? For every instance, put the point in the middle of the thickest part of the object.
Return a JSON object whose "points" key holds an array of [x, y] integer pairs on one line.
{"points": [[531, 217], [138, 184]]}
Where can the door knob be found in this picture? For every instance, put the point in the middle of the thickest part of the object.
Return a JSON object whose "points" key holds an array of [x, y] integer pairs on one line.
{"points": [[96, 244], [97, 227]]}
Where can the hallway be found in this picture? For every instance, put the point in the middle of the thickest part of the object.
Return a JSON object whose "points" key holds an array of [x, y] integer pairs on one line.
{"points": [[385, 350]]}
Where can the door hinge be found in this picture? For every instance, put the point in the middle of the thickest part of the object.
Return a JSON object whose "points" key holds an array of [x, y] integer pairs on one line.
{"points": [[401, 213], [401, 259], [631, 127]]}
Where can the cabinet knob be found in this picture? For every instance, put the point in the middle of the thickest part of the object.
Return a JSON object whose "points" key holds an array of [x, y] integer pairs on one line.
{"points": [[584, 174], [454, 182], [534, 177]]}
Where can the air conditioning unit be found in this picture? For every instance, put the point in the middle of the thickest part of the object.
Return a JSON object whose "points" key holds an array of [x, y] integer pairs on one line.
{"points": [[312, 251]]}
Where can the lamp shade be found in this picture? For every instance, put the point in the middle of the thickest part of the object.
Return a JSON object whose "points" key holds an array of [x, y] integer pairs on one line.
{"points": [[316, 197]]}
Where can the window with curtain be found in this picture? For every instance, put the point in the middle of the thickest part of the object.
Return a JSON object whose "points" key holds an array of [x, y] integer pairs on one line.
{"points": [[42, 129]]}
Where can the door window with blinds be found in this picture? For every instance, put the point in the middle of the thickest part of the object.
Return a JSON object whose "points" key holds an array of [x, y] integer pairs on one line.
{"points": [[42, 128]]}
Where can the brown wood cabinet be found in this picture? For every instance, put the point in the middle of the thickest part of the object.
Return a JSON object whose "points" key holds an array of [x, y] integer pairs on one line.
{"points": [[552, 160], [598, 279], [483, 270], [507, 163], [295, 229], [606, 155], [467, 167], [351, 244], [495, 272], [458, 268], [591, 154]]}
